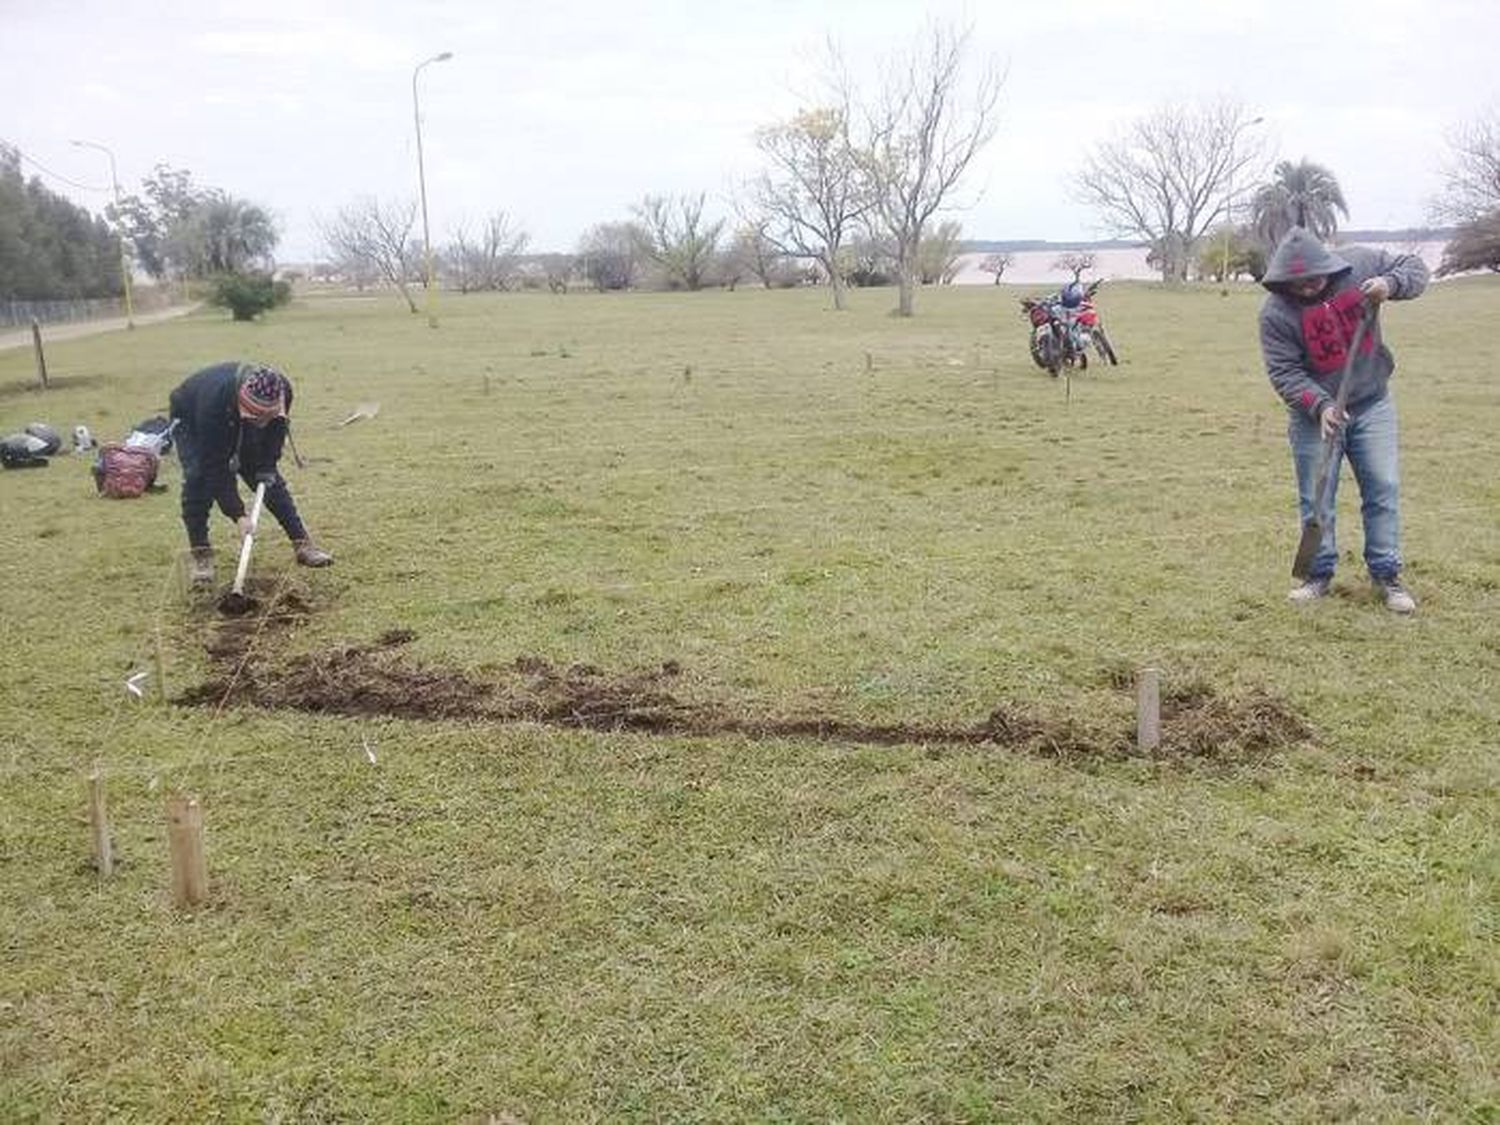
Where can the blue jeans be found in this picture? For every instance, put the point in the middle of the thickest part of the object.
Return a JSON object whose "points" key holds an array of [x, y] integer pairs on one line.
{"points": [[1369, 443]]}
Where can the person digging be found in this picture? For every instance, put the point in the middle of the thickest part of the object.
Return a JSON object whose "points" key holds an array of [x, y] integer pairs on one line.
{"points": [[233, 418], [1322, 306]]}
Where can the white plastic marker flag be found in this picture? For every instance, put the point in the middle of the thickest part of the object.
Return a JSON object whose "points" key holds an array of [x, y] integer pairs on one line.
{"points": [[134, 682]]}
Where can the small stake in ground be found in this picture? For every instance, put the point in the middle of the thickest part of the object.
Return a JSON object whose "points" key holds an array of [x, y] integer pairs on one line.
{"points": [[185, 840], [869, 362], [1148, 709], [161, 668], [104, 856], [41, 357]]}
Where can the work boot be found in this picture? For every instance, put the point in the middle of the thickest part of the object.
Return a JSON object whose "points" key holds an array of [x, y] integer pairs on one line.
{"points": [[1310, 591], [1397, 597], [201, 567], [310, 554]]}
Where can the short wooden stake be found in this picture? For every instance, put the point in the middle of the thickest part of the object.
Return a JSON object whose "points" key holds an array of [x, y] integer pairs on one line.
{"points": [[869, 362], [41, 357], [1148, 709], [185, 840], [104, 856]]}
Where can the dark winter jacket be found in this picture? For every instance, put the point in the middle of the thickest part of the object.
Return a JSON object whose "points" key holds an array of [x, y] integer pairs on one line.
{"points": [[212, 440], [1306, 343]]}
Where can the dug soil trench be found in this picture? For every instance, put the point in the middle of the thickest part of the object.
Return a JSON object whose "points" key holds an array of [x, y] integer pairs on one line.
{"points": [[381, 679]]}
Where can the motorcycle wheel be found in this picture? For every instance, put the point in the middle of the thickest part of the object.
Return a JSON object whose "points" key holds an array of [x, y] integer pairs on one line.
{"points": [[1105, 348], [1049, 355]]}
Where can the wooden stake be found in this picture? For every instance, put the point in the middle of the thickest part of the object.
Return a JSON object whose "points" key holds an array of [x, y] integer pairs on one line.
{"points": [[41, 357], [185, 840], [869, 362], [104, 856], [1148, 709]]}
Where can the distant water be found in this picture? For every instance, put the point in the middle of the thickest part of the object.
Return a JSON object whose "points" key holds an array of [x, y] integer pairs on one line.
{"points": [[1034, 267]]}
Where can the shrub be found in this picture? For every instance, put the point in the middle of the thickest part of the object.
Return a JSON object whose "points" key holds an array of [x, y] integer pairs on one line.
{"points": [[247, 295]]}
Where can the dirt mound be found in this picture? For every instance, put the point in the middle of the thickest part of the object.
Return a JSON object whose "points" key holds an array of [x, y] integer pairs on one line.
{"points": [[1197, 722]]}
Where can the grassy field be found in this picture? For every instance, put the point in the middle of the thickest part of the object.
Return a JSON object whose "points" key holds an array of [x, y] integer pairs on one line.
{"points": [[726, 522]]}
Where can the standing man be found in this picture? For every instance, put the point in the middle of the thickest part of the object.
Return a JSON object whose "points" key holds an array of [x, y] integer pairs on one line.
{"points": [[232, 418], [1306, 326]]}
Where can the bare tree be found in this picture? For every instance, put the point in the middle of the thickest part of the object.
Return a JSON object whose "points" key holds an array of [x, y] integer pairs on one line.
{"points": [[754, 252], [1076, 262], [996, 264], [1471, 186], [938, 254], [675, 237], [372, 235], [925, 128], [813, 193], [609, 255], [1167, 178], [489, 260]]}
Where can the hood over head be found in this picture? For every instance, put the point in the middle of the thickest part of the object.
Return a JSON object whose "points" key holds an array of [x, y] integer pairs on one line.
{"points": [[1300, 255]]}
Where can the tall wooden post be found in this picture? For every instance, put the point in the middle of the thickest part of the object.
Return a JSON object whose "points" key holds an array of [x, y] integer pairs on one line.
{"points": [[41, 356], [104, 856]]}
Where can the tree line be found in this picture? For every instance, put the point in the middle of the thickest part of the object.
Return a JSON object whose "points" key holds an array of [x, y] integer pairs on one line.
{"points": [[50, 248]]}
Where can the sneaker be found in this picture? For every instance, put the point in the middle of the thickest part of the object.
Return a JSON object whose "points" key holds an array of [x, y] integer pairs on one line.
{"points": [[310, 554], [1397, 597], [201, 567], [1310, 591]]}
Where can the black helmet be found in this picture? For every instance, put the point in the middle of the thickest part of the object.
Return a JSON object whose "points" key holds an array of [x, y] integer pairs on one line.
{"points": [[48, 435]]}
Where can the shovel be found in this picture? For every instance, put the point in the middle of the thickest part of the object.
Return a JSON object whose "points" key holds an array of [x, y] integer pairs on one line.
{"points": [[236, 602], [1312, 530]]}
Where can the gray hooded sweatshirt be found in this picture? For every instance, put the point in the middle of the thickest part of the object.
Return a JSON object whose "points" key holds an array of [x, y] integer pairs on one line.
{"points": [[1306, 343]]}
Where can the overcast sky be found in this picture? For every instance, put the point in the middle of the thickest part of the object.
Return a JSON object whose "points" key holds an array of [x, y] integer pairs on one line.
{"points": [[564, 114]]}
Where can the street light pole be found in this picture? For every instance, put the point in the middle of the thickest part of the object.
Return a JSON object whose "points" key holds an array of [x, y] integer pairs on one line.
{"points": [[114, 183], [416, 113], [1229, 200]]}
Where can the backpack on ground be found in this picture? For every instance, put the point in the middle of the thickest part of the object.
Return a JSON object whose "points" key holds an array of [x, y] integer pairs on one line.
{"points": [[123, 472]]}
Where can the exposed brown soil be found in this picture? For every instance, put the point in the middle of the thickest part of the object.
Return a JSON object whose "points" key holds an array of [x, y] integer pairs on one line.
{"points": [[380, 679]]}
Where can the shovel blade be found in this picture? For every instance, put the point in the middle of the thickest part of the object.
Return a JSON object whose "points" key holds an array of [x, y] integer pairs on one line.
{"points": [[1307, 548]]}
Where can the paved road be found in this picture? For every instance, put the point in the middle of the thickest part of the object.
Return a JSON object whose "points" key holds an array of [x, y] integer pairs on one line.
{"points": [[50, 332]]}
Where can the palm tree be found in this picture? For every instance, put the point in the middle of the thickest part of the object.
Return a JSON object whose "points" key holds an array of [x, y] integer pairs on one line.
{"points": [[1302, 194]]}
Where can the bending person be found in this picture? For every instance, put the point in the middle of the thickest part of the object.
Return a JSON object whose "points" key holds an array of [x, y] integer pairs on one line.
{"points": [[232, 418]]}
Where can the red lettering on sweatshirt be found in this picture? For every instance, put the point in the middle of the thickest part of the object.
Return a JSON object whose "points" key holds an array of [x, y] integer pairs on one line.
{"points": [[1327, 329]]}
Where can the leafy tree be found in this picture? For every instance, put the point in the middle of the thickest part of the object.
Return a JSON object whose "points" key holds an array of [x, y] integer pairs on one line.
{"points": [[221, 235], [1166, 178], [168, 198], [49, 247], [247, 295], [677, 239], [1246, 256], [1304, 194]]}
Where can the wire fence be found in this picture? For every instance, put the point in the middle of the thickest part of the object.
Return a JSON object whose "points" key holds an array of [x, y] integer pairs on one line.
{"points": [[20, 314]]}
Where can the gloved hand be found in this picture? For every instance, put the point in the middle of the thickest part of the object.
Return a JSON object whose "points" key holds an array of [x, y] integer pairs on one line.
{"points": [[245, 526], [266, 477], [1331, 421]]}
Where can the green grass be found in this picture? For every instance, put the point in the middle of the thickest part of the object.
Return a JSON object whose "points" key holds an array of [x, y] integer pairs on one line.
{"points": [[812, 513]]}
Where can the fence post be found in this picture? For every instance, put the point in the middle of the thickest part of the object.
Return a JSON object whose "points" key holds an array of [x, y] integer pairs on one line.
{"points": [[104, 856], [185, 841], [1148, 709], [41, 357]]}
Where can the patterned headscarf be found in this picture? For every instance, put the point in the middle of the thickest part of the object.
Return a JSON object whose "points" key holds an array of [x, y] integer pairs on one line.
{"points": [[262, 394]]}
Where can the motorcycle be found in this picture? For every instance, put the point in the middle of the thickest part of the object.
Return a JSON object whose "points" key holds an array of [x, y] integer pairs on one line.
{"points": [[1061, 336]]}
